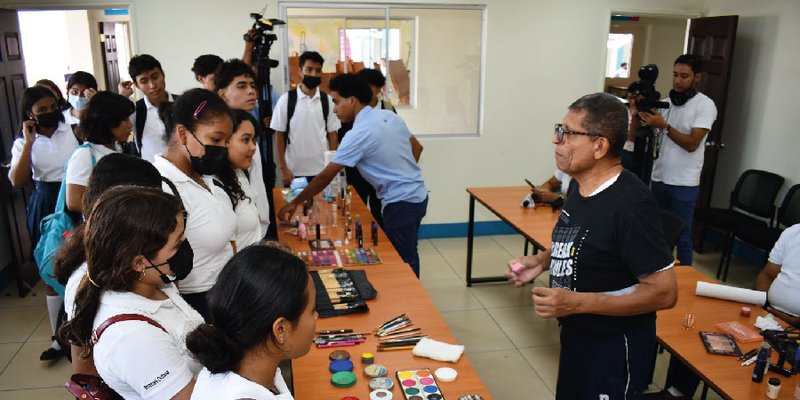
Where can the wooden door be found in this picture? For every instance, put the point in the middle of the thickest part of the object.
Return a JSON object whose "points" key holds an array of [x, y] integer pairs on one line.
{"points": [[13, 201], [713, 39], [108, 48]]}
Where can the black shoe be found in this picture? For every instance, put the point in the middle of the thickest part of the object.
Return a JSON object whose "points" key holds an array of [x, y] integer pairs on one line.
{"points": [[51, 354]]}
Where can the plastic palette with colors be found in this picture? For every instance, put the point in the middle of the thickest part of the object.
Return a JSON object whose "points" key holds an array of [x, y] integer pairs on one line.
{"points": [[340, 258], [419, 384]]}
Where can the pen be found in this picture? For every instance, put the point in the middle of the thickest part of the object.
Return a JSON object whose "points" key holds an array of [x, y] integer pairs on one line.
{"points": [[749, 354]]}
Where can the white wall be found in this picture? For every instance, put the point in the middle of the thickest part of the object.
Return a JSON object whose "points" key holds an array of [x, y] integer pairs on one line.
{"points": [[761, 127]]}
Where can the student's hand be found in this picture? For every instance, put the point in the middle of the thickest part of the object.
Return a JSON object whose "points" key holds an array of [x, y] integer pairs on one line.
{"points": [[653, 119], [543, 195], [125, 88], [287, 212], [287, 176], [531, 268], [89, 93], [29, 131], [551, 303], [252, 33]]}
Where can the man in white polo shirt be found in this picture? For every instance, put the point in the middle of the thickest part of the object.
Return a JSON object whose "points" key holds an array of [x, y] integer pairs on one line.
{"points": [[684, 126], [304, 123]]}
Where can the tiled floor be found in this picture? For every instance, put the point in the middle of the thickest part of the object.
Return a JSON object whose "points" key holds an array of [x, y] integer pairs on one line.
{"points": [[514, 351]]}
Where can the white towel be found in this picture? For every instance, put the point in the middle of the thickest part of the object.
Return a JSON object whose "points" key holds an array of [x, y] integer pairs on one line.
{"points": [[437, 350]]}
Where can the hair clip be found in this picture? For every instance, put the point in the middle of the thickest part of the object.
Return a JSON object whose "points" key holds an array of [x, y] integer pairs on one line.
{"points": [[199, 108]]}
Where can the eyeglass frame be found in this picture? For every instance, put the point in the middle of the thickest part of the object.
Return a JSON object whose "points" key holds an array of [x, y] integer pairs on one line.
{"points": [[559, 131]]}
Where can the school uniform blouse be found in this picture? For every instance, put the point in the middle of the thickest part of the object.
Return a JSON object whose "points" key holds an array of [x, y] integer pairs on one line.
{"points": [[139, 360], [230, 385], [80, 164], [210, 227], [48, 154], [248, 226]]}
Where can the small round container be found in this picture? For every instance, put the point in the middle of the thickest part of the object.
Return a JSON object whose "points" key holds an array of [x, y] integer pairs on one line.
{"points": [[343, 379], [349, 398], [367, 358], [375, 371], [339, 355], [340, 366], [380, 394], [773, 388], [446, 374], [745, 312], [381, 383]]}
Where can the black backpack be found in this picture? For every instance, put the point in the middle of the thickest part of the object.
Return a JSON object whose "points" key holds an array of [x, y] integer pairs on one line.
{"points": [[323, 97], [141, 118]]}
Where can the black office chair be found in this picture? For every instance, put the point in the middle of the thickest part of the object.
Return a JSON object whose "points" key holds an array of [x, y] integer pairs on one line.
{"points": [[673, 225], [765, 237], [755, 194]]}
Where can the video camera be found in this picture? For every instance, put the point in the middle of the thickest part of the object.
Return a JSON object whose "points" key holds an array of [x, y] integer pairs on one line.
{"points": [[262, 26], [645, 87]]}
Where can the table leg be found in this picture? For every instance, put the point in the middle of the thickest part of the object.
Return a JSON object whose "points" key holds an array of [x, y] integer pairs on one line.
{"points": [[525, 252], [705, 391], [470, 237]]}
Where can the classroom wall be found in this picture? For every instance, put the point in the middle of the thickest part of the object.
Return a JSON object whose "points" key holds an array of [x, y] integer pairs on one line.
{"points": [[760, 126]]}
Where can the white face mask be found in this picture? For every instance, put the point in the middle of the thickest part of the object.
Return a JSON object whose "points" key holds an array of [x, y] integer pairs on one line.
{"points": [[77, 102]]}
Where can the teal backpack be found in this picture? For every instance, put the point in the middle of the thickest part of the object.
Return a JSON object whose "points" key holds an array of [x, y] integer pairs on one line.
{"points": [[55, 228]]}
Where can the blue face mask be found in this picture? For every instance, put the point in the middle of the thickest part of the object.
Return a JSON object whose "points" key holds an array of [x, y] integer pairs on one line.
{"points": [[78, 102]]}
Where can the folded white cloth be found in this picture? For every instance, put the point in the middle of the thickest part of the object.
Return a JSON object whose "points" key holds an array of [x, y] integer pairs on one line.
{"points": [[437, 350], [768, 322]]}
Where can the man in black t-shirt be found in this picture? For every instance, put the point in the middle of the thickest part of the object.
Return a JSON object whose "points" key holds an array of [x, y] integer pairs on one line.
{"points": [[610, 267]]}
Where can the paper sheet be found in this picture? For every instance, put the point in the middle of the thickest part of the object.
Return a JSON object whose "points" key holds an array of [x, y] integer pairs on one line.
{"points": [[731, 293]]}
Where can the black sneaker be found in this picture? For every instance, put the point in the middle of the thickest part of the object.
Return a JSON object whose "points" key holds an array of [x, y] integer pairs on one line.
{"points": [[51, 354]]}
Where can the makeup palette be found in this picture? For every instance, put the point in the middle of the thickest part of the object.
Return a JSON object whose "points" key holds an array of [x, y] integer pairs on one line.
{"points": [[419, 384], [340, 258]]}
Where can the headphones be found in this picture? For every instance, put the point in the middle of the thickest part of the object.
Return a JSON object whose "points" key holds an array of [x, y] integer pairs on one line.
{"points": [[680, 98]]}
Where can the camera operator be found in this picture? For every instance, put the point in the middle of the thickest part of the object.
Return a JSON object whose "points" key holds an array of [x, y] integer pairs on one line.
{"points": [[641, 145], [684, 126]]}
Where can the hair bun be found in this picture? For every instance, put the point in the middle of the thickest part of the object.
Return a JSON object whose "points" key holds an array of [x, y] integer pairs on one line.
{"points": [[214, 349]]}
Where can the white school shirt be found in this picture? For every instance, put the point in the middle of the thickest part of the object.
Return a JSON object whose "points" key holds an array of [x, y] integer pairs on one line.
{"points": [[230, 385], [49, 155], [70, 119], [153, 133], [210, 228], [80, 164], [248, 226], [674, 165], [256, 171], [138, 360], [71, 289], [784, 290], [305, 154]]}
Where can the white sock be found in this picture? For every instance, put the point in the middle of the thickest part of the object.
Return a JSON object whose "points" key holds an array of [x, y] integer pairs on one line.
{"points": [[675, 392], [53, 308]]}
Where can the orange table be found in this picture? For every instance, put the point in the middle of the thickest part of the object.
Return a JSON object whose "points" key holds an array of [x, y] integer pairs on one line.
{"points": [[724, 374], [535, 224], [399, 292]]}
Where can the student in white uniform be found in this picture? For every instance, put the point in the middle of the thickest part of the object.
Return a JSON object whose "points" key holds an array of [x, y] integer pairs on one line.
{"points": [[199, 125], [81, 87], [62, 103], [105, 124], [235, 82], [261, 312], [132, 263], [40, 154], [236, 179]]}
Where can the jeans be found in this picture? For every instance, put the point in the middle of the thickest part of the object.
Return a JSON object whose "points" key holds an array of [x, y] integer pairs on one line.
{"points": [[680, 200], [401, 221], [605, 367]]}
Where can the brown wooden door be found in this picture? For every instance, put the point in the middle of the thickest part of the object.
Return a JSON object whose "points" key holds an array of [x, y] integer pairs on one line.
{"points": [[713, 39], [109, 50], [13, 201]]}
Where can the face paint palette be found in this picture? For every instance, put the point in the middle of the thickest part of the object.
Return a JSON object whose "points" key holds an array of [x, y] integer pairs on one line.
{"points": [[419, 384], [340, 258]]}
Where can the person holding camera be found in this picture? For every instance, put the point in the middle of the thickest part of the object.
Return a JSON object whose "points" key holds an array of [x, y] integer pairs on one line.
{"points": [[684, 126]]}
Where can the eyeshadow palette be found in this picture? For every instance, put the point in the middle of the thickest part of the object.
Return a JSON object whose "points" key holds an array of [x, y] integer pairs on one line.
{"points": [[419, 385], [340, 258]]}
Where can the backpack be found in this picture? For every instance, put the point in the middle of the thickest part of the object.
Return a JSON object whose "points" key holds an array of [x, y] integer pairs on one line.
{"points": [[55, 228], [323, 97], [141, 118]]}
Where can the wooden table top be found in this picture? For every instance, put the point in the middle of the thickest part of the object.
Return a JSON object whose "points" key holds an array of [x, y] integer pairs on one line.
{"points": [[399, 292], [536, 224], [723, 373]]}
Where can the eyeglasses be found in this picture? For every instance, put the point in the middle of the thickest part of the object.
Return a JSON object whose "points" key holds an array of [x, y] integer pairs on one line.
{"points": [[560, 132]]}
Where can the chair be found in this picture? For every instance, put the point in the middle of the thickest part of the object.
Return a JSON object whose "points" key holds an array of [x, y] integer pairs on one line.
{"points": [[755, 194], [673, 225], [400, 80], [765, 237]]}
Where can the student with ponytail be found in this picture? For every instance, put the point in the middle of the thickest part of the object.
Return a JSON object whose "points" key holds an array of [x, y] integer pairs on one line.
{"points": [[261, 312], [135, 247], [199, 125]]}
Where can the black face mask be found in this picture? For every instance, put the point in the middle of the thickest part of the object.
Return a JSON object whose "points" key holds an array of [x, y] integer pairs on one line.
{"points": [[211, 163], [49, 120], [311, 82], [680, 98], [180, 263]]}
